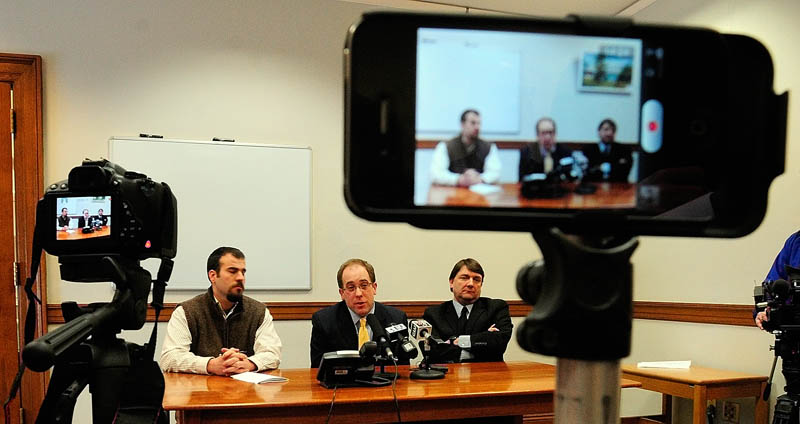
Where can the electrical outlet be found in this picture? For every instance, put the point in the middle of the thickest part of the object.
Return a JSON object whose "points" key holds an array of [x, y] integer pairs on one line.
{"points": [[730, 412]]}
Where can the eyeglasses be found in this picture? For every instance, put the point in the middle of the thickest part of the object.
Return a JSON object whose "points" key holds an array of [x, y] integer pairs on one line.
{"points": [[351, 288]]}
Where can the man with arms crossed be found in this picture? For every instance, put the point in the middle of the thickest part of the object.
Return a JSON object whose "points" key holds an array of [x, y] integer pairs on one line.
{"points": [[221, 332], [465, 159], [479, 328], [617, 157], [343, 326]]}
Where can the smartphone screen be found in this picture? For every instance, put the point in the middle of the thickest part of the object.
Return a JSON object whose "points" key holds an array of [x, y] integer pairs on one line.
{"points": [[550, 121], [508, 123]]}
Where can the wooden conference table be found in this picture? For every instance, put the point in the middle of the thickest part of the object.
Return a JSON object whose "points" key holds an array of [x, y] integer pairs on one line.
{"points": [[608, 195], [469, 390], [77, 234]]}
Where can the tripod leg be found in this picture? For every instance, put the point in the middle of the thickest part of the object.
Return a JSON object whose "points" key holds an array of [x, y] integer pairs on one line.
{"points": [[67, 381], [109, 366]]}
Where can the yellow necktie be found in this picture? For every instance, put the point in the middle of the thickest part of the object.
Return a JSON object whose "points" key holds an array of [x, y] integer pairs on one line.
{"points": [[363, 335], [548, 163]]}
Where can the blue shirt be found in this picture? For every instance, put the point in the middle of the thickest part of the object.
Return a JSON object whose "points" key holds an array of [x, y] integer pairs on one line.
{"points": [[789, 255]]}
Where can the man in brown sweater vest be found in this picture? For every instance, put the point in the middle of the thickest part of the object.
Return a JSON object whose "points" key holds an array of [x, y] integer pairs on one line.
{"points": [[222, 331]]}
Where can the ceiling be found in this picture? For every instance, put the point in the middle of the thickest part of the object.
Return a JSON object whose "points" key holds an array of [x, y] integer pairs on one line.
{"points": [[534, 7]]}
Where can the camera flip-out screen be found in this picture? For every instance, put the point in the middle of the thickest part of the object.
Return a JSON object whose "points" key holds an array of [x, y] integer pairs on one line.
{"points": [[83, 217]]}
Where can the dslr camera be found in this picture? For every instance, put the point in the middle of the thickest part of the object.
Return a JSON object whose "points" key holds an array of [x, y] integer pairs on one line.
{"points": [[107, 219], [133, 216]]}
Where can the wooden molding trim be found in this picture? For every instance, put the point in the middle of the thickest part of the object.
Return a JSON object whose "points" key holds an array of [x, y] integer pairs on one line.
{"points": [[515, 144], [705, 313]]}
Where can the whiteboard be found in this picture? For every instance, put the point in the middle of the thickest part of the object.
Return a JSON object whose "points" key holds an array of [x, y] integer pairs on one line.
{"points": [[256, 197], [454, 77]]}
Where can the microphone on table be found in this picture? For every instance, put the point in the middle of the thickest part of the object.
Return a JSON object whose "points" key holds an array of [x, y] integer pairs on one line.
{"points": [[421, 331], [379, 335], [399, 333]]}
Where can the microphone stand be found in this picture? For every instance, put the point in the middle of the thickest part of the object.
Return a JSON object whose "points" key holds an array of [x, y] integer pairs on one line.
{"points": [[581, 294], [382, 360], [425, 371]]}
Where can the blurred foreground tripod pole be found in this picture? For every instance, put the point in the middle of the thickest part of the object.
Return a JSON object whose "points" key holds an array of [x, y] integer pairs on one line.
{"points": [[581, 292]]}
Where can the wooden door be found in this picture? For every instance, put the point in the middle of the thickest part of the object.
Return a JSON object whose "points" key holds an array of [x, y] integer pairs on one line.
{"points": [[9, 359], [20, 188]]}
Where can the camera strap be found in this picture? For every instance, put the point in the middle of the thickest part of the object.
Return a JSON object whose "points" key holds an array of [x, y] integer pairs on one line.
{"points": [[30, 319]]}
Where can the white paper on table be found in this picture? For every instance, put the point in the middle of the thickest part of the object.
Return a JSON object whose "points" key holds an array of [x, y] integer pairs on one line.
{"points": [[666, 364], [258, 378], [484, 188]]}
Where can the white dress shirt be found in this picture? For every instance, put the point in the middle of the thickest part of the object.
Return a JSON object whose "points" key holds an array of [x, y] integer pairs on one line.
{"points": [[176, 357], [440, 166], [464, 341]]}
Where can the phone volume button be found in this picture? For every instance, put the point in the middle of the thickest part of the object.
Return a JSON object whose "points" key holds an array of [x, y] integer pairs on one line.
{"points": [[384, 117]]}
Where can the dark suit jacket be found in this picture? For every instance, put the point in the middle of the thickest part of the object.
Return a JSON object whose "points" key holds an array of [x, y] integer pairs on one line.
{"points": [[99, 220], [486, 345], [531, 160], [332, 329], [82, 222], [620, 157]]}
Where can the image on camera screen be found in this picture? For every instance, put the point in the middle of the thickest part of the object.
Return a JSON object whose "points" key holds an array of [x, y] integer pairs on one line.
{"points": [[527, 120], [85, 217]]}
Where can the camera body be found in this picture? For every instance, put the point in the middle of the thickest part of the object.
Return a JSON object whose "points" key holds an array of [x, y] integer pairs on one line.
{"points": [[123, 214], [781, 300]]}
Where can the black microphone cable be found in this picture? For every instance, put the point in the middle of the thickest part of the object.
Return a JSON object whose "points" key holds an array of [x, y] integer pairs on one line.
{"points": [[330, 411], [394, 391]]}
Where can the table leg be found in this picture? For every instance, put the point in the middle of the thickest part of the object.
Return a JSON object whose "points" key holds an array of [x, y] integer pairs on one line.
{"points": [[666, 408], [699, 404], [762, 407]]}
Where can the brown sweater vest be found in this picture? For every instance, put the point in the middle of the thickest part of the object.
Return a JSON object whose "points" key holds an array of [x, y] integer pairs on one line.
{"points": [[460, 160], [211, 331]]}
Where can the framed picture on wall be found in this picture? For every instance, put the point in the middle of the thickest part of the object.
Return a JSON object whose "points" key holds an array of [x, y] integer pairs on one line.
{"points": [[609, 69]]}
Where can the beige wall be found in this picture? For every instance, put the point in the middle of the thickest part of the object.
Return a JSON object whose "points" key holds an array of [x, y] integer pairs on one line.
{"points": [[271, 71]]}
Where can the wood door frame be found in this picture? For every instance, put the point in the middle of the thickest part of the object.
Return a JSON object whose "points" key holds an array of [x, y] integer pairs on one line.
{"points": [[24, 73]]}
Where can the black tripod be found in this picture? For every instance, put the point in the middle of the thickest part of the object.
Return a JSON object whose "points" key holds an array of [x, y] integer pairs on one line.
{"points": [[787, 405], [126, 384]]}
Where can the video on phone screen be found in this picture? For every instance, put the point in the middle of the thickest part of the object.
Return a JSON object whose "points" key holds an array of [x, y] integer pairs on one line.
{"points": [[80, 218], [524, 120]]}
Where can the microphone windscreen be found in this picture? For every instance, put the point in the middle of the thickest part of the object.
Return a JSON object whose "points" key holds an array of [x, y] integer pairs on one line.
{"points": [[368, 349], [377, 327], [780, 288]]}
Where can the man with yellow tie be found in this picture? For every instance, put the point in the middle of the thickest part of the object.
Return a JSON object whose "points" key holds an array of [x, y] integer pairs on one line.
{"points": [[343, 326], [543, 155]]}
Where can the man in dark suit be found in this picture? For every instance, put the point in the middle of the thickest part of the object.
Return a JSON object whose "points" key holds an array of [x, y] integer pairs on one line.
{"points": [[99, 220], [343, 326], [477, 328], [543, 155], [618, 157], [85, 220]]}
